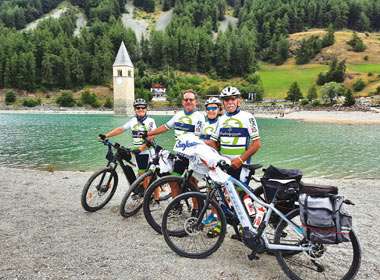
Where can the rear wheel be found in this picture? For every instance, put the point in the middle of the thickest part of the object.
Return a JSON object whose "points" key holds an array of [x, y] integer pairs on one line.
{"points": [[99, 189], [322, 261], [154, 211], [134, 197], [188, 234]]}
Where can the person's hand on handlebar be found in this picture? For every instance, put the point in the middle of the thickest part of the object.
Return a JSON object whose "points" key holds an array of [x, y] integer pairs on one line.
{"points": [[236, 163], [102, 137]]}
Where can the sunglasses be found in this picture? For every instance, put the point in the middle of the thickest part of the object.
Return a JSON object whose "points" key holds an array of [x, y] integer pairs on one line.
{"points": [[212, 108], [188, 99], [140, 108]]}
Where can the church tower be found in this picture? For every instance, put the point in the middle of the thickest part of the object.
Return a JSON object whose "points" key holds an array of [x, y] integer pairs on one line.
{"points": [[123, 82]]}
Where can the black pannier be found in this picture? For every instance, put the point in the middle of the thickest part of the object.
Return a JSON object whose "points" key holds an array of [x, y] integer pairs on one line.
{"points": [[323, 215], [286, 192]]}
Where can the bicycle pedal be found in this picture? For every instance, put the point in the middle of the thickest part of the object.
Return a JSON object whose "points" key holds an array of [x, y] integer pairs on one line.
{"points": [[252, 256]]}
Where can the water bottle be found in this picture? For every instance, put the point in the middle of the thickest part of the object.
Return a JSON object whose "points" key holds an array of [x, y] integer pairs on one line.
{"points": [[260, 211], [249, 205]]}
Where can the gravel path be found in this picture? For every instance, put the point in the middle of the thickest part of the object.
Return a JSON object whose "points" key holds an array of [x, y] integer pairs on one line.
{"points": [[164, 20], [45, 234]]}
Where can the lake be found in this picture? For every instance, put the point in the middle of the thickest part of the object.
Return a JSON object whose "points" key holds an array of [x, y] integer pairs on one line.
{"points": [[69, 142]]}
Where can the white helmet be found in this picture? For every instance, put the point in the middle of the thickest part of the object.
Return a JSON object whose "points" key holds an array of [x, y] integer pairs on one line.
{"points": [[229, 91], [213, 100]]}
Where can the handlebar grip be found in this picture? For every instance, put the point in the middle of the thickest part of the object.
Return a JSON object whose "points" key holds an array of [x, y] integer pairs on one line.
{"points": [[102, 136]]}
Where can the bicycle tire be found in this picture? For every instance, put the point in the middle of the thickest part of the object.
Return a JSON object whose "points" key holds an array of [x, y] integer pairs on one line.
{"points": [[281, 255], [136, 184], [169, 237], [155, 223], [85, 192]]}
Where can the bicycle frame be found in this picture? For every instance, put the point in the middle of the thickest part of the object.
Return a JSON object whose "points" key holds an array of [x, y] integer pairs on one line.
{"points": [[246, 222]]}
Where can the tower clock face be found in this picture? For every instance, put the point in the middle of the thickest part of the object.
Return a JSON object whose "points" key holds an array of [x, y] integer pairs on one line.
{"points": [[119, 80]]}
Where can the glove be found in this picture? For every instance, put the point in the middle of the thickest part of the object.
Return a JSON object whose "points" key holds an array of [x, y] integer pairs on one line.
{"points": [[102, 136]]}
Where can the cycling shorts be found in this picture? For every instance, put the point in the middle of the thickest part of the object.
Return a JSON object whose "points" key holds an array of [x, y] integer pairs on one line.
{"points": [[142, 161]]}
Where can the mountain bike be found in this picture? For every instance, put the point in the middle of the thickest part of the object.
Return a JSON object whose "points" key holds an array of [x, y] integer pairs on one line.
{"points": [[101, 186], [133, 198], [185, 232]]}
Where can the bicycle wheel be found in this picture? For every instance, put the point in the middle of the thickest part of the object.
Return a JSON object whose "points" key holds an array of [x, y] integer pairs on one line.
{"points": [[335, 261], [134, 197], [154, 211], [181, 231], [99, 189]]}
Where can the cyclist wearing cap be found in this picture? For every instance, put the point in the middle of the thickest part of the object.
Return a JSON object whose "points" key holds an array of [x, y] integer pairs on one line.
{"points": [[139, 124], [212, 106], [237, 134]]}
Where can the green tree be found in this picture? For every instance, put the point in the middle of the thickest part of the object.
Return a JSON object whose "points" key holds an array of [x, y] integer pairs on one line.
{"points": [[66, 99], [294, 93], [331, 91], [349, 98], [10, 97], [312, 93], [356, 43], [329, 38]]}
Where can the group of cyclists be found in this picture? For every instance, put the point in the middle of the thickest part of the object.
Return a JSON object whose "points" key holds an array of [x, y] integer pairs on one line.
{"points": [[227, 128]]}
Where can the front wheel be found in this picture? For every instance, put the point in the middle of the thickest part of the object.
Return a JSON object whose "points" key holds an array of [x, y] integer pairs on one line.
{"points": [[189, 234], [134, 197], [154, 210], [322, 261], [99, 189]]}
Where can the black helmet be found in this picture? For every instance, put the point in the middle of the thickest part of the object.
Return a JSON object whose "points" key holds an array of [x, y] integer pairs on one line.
{"points": [[140, 102]]}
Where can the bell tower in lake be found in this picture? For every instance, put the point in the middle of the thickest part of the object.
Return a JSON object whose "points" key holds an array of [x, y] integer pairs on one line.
{"points": [[123, 82]]}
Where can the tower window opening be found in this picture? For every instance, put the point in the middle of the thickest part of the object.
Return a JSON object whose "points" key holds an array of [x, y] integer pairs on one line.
{"points": [[120, 73], [129, 73]]}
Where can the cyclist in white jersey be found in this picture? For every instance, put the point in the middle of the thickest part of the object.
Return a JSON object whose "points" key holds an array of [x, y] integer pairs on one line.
{"points": [[187, 121], [137, 125], [212, 106], [237, 134]]}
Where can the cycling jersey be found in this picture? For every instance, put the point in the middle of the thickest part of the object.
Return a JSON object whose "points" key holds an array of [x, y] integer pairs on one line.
{"points": [[209, 128], [183, 123], [235, 131], [137, 125]]}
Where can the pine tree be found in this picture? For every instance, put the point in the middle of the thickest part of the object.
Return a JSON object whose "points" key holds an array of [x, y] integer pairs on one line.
{"points": [[294, 93], [312, 93]]}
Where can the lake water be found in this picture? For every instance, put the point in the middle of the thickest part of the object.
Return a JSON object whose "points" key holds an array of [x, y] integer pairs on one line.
{"points": [[68, 142]]}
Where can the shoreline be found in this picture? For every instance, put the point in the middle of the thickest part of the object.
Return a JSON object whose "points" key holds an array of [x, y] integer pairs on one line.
{"points": [[46, 234], [337, 117]]}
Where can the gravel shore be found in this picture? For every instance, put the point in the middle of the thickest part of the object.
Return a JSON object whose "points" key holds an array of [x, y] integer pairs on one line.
{"points": [[45, 234]]}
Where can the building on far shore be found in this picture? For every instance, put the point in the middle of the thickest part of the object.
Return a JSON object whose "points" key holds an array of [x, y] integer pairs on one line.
{"points": [[123, 82], [158, 91]]}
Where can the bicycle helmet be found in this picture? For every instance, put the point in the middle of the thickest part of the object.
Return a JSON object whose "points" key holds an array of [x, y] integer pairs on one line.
{"points": [[213, 100], [140, 102], [229, 91]]}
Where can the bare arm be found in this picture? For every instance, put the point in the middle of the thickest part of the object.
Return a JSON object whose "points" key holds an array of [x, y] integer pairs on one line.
{"points": [[212, 144], [114, 132], [157, 131]]}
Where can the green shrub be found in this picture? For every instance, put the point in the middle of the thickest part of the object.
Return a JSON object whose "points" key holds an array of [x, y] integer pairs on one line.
{"points": [[349, 98], [331, 91], [358, 85], [108, 103], [370, 74], [213, 91], [10, 97], [316, 103], [31, 102], [304, 102], [365, 58], [356, 43], [88, 98], [312, 93], [66, 99]]}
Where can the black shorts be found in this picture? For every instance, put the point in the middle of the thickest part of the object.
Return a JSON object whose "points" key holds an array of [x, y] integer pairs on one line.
{"points": [[180, 165], [142, 161]]}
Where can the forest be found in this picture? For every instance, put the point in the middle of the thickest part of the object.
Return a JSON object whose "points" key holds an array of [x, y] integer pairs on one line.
{"points": [[52, 57]]}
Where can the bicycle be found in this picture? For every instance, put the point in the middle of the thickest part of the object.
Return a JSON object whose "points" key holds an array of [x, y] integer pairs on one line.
{"points": [[133, 199], [297, 256], [101, 186]]}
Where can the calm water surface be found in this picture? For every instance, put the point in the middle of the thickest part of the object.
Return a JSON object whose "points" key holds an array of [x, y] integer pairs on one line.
{"points": [[68, 142]]}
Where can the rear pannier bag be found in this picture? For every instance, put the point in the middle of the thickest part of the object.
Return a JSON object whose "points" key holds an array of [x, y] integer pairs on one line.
{"points": [[325, 218]]}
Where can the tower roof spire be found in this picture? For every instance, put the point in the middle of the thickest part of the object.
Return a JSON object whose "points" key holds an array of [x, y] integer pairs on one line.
{"points": [[122, 57]]}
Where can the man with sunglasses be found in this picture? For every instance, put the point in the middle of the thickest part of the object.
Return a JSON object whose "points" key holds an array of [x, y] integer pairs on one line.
{"points": [[138, 125], [237, 135], [189, 120], [212, 106]]}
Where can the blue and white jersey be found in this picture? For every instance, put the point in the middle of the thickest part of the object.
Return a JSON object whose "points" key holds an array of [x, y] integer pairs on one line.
{"points": [[208, 129], [184, 123], [136, 126], [235, 132]]}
